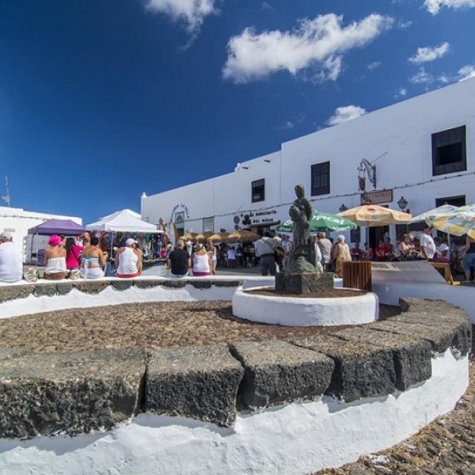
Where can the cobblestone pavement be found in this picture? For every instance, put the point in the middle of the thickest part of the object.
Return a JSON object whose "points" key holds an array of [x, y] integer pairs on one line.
{"points": [[444, 447], [147, 325]]}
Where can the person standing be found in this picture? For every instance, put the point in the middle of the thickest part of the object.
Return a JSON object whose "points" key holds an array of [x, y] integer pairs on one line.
{"points": [[178, 261], [11, 265], [427, 245], [341, 254], [128, 260], [469, 259], [326, 249], [213, 254], [265, 251], [287, 245]]}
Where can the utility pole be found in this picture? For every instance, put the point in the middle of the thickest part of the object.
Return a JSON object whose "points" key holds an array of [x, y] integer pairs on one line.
{"points": [[7, 198]]}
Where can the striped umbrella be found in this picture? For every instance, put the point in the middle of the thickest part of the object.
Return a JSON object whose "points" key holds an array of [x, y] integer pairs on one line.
{"points": [[457, 222], [436, 211]]}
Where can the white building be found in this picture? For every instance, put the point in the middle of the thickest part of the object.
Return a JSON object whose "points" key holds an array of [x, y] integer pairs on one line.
{"points": [[18, 221], [423, 149]]}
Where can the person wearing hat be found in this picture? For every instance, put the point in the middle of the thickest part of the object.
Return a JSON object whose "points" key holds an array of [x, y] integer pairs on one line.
{"points": [[11, 262], [128, 260], [55, 259]]}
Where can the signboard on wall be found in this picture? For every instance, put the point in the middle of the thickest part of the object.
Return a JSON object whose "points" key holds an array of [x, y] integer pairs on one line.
{"points": [[377, 197]]}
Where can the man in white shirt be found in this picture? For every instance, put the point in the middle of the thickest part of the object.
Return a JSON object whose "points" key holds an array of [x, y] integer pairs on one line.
{"points": [[427, 244], [265, 250], [11, 262]]}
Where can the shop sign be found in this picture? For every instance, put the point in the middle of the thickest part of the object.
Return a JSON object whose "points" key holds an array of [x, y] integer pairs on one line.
{"points": [[179, 213], [262, 217], [377, 197]]}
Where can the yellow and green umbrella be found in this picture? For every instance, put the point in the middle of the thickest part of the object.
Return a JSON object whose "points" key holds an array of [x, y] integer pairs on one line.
{"points": [[457, 222]]}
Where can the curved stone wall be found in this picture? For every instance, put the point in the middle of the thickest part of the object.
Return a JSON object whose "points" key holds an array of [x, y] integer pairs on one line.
{"points": [[225, 385]]}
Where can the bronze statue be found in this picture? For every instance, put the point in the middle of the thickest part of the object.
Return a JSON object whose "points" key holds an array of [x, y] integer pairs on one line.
{"points": [[303, 256]]}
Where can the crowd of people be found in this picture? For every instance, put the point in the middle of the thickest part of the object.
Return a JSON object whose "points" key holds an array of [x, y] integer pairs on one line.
{"points": [[87, 256]]}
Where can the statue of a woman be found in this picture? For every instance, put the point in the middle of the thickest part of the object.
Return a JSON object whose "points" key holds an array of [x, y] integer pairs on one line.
{"points": [[302, 257]]}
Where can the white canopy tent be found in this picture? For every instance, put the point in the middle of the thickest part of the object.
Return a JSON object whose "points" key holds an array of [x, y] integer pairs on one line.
{"points": [[125, 221]]}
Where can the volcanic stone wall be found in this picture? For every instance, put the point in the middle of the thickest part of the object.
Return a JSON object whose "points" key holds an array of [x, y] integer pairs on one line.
{"points": [[75, 393]]}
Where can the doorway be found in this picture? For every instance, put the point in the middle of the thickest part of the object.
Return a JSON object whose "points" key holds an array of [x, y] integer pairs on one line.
{"points": [[376, 234]]}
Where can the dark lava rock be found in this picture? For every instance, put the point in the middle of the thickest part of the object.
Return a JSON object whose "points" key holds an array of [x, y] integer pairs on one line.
{"points": [[361, 370], [175, 284], [72, 393], [227, 283], [276, 372], [13, 292], [64, 288], [200, 382], [122, 284], [412, 356], [303, 282], [45, 289], [200, 284], [147, 284], [91, 287]]}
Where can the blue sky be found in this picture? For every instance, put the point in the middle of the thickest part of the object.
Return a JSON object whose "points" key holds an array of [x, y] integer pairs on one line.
{"points": [[101, 100]]}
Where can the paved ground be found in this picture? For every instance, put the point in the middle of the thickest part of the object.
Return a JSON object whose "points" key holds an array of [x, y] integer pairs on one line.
{"points": [[148, 325]]}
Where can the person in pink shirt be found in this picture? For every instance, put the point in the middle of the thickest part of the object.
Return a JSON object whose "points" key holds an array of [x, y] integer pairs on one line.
{"points": [[73, 253]]}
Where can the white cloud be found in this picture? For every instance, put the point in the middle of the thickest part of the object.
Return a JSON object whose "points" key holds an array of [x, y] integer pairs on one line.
{"points": [[428, 53], [466, 72], [345, 113], [404, 24], [422, 77], [318, 43], [434, 6], [374, 65], [401, 92], [287, 126], [191, 12]]}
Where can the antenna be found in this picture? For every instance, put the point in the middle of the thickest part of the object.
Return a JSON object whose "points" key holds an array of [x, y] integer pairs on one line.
{"points": [[7, 198]]}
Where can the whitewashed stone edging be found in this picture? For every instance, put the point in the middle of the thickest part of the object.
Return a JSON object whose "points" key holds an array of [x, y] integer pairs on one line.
{"points": [[293, 439], [298, 311]]}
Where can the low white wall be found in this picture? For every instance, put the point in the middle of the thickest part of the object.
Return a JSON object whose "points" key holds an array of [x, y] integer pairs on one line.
{"points": [[463, 297], [295, 311], [294, 439]]}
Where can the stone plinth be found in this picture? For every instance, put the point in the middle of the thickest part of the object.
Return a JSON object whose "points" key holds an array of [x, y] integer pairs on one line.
{"points": [[303, 282]]}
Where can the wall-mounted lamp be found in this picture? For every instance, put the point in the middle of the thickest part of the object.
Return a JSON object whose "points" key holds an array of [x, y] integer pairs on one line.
{"points": [[342, 208], [244, 168], [402, 203], [266, 160]]}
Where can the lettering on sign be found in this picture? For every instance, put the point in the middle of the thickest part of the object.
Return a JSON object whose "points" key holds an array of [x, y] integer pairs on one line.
{"points": [[179, 211], [377, 197]]}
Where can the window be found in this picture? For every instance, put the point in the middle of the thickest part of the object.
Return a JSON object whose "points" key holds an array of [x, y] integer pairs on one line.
{"points": [[258, 192], [320, 179], [449, 153], [208, 225], [451, 200]]}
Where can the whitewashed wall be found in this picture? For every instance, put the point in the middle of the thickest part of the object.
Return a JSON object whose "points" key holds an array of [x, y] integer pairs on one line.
{"points": [[18, 221], [400, 135]]}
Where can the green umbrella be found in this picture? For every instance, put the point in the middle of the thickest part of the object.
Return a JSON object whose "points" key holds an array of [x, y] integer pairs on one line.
{"points": [[321, 222]]}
